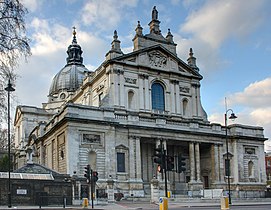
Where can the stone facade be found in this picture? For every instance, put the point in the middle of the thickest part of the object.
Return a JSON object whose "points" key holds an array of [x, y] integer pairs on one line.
{"points": [[125, 108]]}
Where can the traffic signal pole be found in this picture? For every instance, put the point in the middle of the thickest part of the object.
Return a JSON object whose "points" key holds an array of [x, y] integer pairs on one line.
{"points": [[91, 187], [165, 171]]}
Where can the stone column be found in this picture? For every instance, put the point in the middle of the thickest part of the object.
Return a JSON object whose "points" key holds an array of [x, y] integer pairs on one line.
{"points": [[221, 163], [194, 103], [234, 163], [147, 97], [216, 171], [197, 153], [132, 158], [115, 87], [141, 96], [192, 161], [178, 100], [138, 159], [121, 86], [172, 98]]}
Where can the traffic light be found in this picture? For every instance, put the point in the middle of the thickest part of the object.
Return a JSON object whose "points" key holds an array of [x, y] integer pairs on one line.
{"points": [[87, 172], [181, 164], [170, 163], [95, 176], [159, 156]]}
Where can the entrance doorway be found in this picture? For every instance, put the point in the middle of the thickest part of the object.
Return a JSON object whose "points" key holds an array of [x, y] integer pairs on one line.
{"points": [[206, 182]]}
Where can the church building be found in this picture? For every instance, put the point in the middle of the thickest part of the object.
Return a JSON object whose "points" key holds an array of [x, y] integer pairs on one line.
{"points": [[115, 117]]}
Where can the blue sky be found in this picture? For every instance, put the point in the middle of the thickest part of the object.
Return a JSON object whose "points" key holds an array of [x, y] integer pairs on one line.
{"points": [[230, 39]]}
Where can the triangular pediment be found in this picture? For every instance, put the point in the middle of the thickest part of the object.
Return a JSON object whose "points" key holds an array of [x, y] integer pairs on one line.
{"points": [[158, 57]]}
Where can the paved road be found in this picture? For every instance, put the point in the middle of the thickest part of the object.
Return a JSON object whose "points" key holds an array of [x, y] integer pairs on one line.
{"points": [[150, 206]]}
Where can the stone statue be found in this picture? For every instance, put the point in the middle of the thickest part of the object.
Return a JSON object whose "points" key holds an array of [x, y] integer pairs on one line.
{"points": [[154, 13]]}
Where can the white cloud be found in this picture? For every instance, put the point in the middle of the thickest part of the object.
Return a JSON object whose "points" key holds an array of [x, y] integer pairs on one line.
{"points": [[254, 105], [105, 14], [49, 56], [218, 20], [256, 95], [215, 22], [32, 5]]}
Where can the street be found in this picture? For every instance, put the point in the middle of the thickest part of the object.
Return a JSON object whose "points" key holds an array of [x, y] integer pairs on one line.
{"points": [[258, 207], [148, 206], [143, 205]]}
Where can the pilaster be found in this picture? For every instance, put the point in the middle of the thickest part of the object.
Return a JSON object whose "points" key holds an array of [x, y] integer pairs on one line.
{"points": [[192, 161]]}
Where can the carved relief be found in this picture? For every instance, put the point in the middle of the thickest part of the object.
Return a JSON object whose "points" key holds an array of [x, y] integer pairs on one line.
{"points": [[118, 71], [184, 89], [91, 139], [99, 88], [130, 80], [143, 76], [157, 59], [250, 151], [175, 82]]}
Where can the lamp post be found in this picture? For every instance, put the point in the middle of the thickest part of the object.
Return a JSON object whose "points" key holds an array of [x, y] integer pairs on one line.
{"points": [[9, 88], [232, 117]]}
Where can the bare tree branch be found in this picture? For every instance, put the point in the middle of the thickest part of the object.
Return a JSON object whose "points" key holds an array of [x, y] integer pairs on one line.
{"points": [[13, 45]]}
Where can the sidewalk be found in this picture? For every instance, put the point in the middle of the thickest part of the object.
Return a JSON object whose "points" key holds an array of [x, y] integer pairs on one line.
{"points": [[136, 205]]}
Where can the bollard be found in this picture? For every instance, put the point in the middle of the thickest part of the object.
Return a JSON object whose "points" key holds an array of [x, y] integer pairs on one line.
{"points": [[85, 203], [163, 203], [225, 203], [64, 202]]}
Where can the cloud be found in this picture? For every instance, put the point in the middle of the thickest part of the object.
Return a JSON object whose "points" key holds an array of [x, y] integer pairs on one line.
{"points": [[49, 45], [218, 20], [32, 5], [212, 24], [105, 14], [254, 105], [256, 95]]}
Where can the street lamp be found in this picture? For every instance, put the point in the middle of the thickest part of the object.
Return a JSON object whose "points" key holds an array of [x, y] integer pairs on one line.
{"points": [[227, 164], [9, 88]]}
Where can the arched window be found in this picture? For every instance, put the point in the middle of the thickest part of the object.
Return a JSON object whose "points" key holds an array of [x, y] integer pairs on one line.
{"points": [[250, 169], [185, 106], [158, 97], [131, 104]]}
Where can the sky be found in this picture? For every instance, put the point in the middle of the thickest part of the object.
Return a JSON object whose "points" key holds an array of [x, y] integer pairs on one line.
{"points": [[230, 39]]}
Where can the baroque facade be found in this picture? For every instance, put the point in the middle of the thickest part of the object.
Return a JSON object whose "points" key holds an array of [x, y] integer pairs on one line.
{"points": [[114, 118]]}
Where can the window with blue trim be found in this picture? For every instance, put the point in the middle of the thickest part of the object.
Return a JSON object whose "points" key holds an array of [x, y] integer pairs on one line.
{"points": [[158, 97]]}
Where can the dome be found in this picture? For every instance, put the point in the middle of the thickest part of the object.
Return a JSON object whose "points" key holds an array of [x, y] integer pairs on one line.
{"points": [[71, 76], [68, 79]]}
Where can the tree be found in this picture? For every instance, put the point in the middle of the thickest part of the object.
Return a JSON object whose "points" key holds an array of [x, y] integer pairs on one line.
{"points": [[13, 45], [4, 163]]}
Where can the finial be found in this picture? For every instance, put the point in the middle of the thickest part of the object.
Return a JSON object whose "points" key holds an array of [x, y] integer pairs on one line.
{"points": [[192, 60], [115, 35], [138, 29], [74, 35], [191, 52], [169, 36]]}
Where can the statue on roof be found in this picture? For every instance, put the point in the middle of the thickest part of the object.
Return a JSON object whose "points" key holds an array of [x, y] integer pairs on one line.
{"points": [[154, 13]]}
